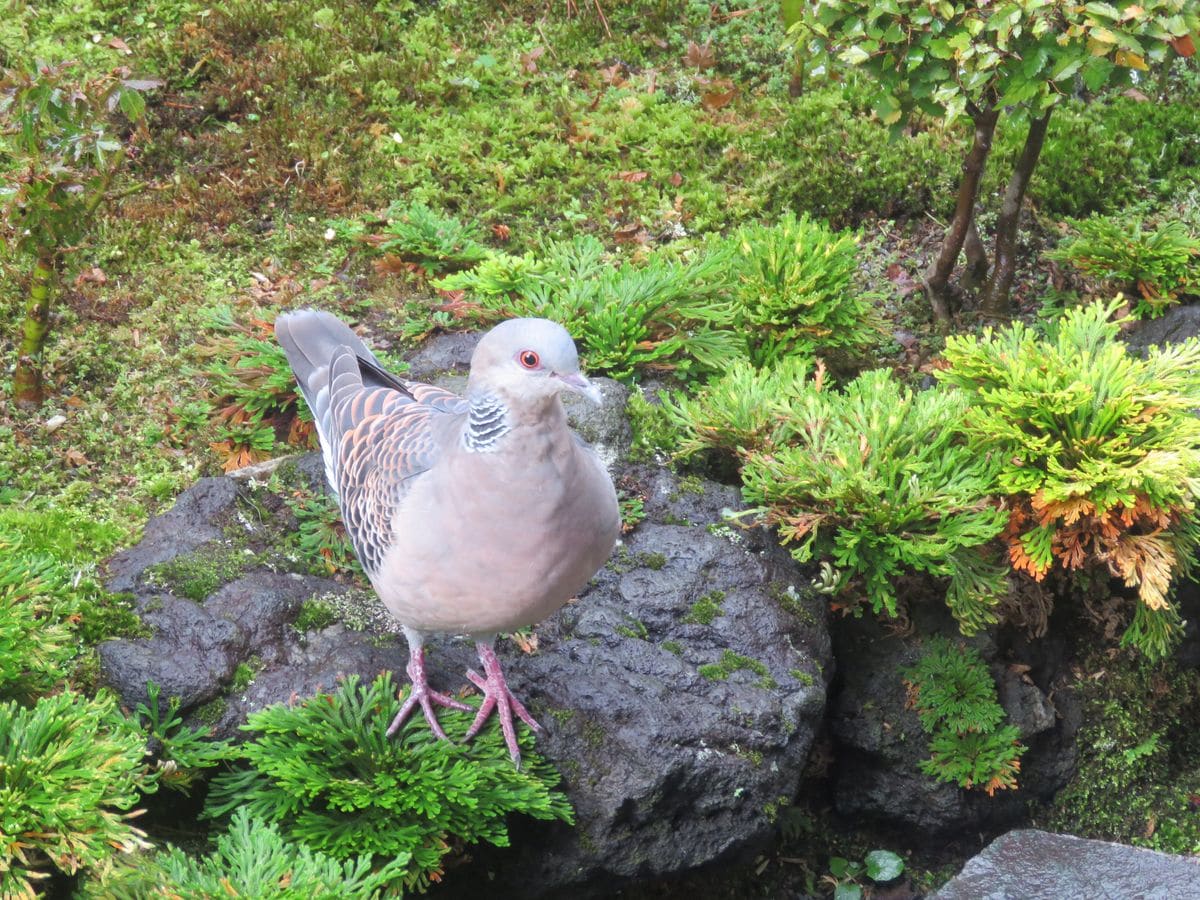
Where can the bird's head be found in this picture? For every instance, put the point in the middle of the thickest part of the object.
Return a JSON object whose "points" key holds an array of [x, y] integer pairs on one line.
{"points": [[529, 359]]}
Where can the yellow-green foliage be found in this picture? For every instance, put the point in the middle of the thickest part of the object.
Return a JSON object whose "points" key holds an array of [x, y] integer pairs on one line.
{"points": [[662, 313], [794, 290], [251, 859], [743, 410], [326, 772], [70, 771], [1096, 450], [36, 644], [1155, 265], [873, 478]]}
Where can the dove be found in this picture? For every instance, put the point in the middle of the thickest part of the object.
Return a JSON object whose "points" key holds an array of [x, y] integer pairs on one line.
{"points": [[474, 515]]}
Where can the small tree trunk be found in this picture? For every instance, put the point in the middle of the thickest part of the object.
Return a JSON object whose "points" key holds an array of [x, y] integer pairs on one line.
{"points": [[994, 301], [977, 259], [938, 276], [27, 379]]}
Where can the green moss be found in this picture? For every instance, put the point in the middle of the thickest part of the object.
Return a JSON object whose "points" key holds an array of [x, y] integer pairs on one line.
{"points": [[752, 756], [673, 647], [107, 616], [1139, 757], [655, 561], [593, 735], [635, 629], [706, 609], [210, 713], [791, 602], [315, 614], [805, 678], [558, 714], [245, 672], [653, 434], [623, 561], [197, 575], [731, 662], [772, 808]]}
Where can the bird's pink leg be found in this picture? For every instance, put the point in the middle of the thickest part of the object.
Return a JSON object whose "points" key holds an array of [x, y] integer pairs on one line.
{"points": [[422, 694], [496, 695]]}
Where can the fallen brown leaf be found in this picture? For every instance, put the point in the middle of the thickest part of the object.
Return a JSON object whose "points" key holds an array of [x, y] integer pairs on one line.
{"points": [[632, 177], [529, 60], [700, 56], [713, 100]]}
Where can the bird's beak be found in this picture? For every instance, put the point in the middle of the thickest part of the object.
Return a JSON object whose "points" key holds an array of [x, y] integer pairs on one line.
{"points": [[574, 381]]}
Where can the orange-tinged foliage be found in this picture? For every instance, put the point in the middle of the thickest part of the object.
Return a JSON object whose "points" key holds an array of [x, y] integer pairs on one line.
{"points": [[1126, 539]]}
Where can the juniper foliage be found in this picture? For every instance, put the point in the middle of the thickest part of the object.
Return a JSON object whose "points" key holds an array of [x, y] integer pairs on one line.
{"points": [[325, 772]]}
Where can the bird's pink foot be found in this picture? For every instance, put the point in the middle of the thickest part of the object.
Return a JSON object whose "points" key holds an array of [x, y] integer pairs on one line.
{"points": [[497, 696], [421, 694]]}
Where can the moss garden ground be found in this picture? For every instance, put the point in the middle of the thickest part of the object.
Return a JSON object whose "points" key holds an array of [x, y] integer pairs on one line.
{"points": [[732, 221]]}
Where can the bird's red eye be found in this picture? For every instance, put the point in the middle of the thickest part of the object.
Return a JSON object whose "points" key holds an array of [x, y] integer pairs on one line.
{"points": [[528, 359]]}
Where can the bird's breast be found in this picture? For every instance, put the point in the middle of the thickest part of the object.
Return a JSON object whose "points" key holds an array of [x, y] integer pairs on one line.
{"points": [[501, 544]]}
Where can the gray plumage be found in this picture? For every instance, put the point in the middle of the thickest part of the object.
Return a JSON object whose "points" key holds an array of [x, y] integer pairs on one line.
{"points": [[471, 515]]}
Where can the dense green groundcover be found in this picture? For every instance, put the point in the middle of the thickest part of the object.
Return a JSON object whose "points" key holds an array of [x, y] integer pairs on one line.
{"points": [[746, 242]]}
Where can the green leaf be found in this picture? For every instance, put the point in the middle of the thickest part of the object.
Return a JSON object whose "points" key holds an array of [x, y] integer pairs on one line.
{"points": [[847, 892], [1096, 71], [888, 109], [1068, 69], [854, 56], [792, 10], [1105, 10], [884, 865], [132, 104]]}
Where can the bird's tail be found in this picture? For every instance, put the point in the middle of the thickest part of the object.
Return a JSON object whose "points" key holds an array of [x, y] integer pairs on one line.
{"points": [[313, 340]]}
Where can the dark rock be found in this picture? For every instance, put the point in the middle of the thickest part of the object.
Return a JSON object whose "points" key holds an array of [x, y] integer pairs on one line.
{"points": [[190, 523], [1027, 707], [191, 656], [1037, 865], [1174, 326], [680, 694], [668, 769], [879, 742], [1187, 601], [442, 353]]}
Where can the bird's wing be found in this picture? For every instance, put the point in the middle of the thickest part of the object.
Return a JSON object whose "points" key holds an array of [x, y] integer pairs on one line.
{"points": [[377, 431]]}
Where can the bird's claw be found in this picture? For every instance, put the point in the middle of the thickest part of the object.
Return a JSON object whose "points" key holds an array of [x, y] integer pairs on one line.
{"points": [[497, 696], [421, 694]]}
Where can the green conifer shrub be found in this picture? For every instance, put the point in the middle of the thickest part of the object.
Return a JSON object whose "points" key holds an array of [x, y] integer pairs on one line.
{"points": [[70, 772], [1156, 265], [182, 752], [36, 645], [432, 241], [325, 772], [1096, 451], [252, 391], [794, 290], [873, 478], [744, 410], [250, 859], [955, 698], [661, 314]]}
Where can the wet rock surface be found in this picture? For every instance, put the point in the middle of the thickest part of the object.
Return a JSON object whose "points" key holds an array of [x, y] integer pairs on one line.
{"points": [[680, 693], [1174, 326], [879, 743], [1038, 865]]}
